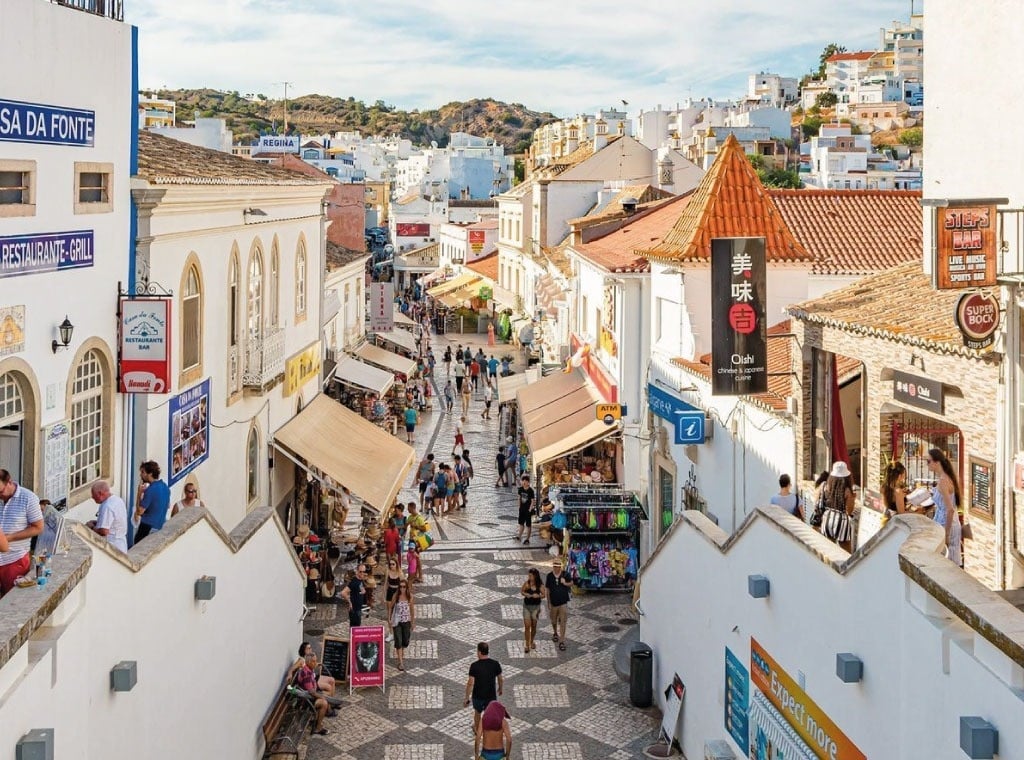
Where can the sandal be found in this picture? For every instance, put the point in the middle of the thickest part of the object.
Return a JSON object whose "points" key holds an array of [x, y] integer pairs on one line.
{"points": [[321, 732], [561, 645], [554, 637]]}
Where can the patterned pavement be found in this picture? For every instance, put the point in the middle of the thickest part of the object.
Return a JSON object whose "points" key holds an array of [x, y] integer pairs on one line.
{"points": [[565, 704]]}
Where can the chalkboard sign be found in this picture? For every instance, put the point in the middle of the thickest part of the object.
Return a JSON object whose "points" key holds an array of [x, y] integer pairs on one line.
{"points": [[982, 474], [335, 659]]}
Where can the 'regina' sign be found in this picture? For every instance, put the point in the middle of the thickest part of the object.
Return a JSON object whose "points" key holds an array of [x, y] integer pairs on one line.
{"points": [[739, 335]]}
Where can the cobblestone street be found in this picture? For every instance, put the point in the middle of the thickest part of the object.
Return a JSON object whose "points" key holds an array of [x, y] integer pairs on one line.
{"points": [[564, 704]]}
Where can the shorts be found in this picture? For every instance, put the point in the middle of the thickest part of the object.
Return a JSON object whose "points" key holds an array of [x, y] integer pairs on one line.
{"points": [[450, 491], [10, 572], [460, 440], [410, 428], [487, 404], [402, 633], [481, 704], [525, 517], [531, 612], [423, 486], [558, 614], [492, 754], [459, 488]]}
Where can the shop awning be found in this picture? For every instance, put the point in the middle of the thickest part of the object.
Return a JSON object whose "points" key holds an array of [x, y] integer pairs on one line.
{"points": [[460, 281], [401, 338], [507, 386], [401, 319], [559, 415], [437, 274], [460, 296], [504, 297], [354, 372], [370, 462], [385, 359]]}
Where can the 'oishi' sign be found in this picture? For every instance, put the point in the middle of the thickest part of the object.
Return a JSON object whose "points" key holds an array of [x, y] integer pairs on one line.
{"points": [[53, 125], [49, 252]]}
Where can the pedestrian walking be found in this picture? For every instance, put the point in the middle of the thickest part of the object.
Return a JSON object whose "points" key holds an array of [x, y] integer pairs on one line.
{"points": [[469, 474], [425, 472], [411, 418], [786, 499], [494, 739], [558, 590], [440, 491], [430, 362], [354, 593], [460, 439], [412, 559], [451, 497], [490, 333], [500, 460], [449, 397], [392, 579], [474, 375], [467, 390], [511, 461], [402, 617], [485, 683], [447, 359], [488, 398], [460, 375], [526, 502], [392, 541], [533, 593], [492, 370], [429, 497]]}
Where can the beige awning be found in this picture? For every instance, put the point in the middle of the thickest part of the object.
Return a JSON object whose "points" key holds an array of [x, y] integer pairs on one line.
{"points": [[559, 415], [401, 338], [401, 319], [507, 386], [385, 359], [351, 451], [354, 372], [449, 286]]}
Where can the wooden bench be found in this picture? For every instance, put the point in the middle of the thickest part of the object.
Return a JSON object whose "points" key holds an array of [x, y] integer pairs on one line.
{"points": [[287, 723]]}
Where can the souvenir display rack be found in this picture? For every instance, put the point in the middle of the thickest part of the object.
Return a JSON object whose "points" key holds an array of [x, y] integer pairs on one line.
{"points": [[601, 543]]}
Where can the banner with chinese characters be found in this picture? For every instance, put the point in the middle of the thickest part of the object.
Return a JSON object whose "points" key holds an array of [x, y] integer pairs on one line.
{"points": [[739, 333], [382, 307], [965, 247]]}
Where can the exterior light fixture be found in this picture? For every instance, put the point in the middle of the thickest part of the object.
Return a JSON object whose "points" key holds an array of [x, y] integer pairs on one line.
{"points": [[849, 667], [758, 586], [124, 675], [37, 744], [206, 588], [66, 330], [978, 738]]}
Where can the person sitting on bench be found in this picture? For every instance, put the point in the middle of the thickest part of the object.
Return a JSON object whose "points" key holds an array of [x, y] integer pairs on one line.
{"points": [[306, 680], [326, 684]]}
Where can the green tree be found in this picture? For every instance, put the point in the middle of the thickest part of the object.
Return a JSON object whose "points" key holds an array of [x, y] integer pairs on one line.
{"points": [[830, 50], [913, 137], [784, 178], [810, 126], [826, 100]]}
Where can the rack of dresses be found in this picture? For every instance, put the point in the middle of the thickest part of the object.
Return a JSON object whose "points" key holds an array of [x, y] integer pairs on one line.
{"points": [[601, 535]]}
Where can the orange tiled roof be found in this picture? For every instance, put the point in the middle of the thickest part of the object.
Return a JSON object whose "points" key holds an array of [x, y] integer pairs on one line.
{"points": [[729, 202], [780, 368], [898, 304], [487, 266], [861, 55], [617, 251], [854, 232]]}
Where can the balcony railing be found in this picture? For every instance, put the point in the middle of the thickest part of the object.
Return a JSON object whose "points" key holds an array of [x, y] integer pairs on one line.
{"points": [[264, 359], [112, 9]]}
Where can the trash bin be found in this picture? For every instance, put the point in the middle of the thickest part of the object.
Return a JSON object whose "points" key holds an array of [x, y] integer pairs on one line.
{"points": [[641, 675]]}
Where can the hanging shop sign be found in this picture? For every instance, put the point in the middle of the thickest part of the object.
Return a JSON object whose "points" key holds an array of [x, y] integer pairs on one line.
{"points": [[486, 293], [689, 428], [382, 309], [412, 229], [45, 124], [737, 701], [965, 247], [977, 318], [809, 721], [919, 392], [610, 413], [739, 341], [366, 657], [476, 240], [49, 252], [188, 433], [301, 368], [145, 356]]}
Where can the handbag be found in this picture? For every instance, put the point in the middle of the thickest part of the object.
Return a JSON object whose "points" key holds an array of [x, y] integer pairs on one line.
{"points": [[819, 512], [966, 531], [424, 541]]}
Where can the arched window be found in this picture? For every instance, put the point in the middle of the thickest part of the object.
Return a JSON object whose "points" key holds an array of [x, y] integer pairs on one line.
{"points": [[252, 459], [87, 420], [191, 320], [254, 304], [12, 427], [273, 286], [233, 301], [234, 325], [300, 280]]}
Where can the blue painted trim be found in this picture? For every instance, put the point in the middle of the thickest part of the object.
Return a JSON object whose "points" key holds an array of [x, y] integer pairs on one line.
{"points": [[133, 161]]}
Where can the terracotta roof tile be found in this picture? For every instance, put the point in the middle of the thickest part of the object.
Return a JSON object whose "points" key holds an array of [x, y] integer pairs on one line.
{"points": [[339, 256], [729, 202], [854, 232], [617, 251], [861, 55], [898, 304], [166, 161], [487, 266], [780, 368]]}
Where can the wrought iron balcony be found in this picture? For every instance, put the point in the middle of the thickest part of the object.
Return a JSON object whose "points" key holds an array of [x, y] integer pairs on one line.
{"points": [[264, 359], [112, 9]]}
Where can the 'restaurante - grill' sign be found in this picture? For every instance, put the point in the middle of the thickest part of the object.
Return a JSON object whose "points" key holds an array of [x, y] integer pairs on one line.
{"points": [[739, 335]]}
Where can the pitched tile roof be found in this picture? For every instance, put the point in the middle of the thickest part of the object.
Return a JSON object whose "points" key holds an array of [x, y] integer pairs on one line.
{"points": [[339, 256], [617, 251], [612, 207], [898, 304], [854, 232], [861, 55], [730, 202], [780, 368], [487, 266], [166, 161]]}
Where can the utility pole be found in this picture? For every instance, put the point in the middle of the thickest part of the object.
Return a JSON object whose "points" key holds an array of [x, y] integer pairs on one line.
{"points": [[286, 86]]}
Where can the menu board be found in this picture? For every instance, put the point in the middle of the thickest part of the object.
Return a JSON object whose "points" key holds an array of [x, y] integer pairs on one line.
{"points": [[335, 659], [737, 701], [982, 474], [57, 464]]}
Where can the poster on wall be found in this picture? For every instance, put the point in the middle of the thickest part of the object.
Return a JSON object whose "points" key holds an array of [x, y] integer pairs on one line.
{"points": [[737, 701], [145, 363], [12, 329], [188, 435], [57, 464], [382, 307], [965, 247], [739, 333], [366, 657]]}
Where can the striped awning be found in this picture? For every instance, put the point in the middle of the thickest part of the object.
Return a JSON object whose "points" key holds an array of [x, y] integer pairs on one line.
{"points": [[776, 729]]}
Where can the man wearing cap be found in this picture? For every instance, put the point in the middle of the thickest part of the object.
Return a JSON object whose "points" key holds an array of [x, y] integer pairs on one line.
{"points": [[558, 590]]}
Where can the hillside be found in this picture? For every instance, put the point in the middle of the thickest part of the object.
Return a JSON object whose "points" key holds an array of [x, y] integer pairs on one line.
{"points": [[511, 124]]}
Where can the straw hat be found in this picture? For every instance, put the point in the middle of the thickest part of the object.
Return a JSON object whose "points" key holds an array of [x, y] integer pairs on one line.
{"points": [[840, 470]]}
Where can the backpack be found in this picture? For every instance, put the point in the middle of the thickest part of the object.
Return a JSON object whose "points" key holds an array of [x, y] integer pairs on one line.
{"points": [[440, 482]]}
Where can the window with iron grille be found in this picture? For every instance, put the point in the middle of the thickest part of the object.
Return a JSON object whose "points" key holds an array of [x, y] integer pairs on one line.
{"points": [[87, 412], [93, 191], [17, 188]]}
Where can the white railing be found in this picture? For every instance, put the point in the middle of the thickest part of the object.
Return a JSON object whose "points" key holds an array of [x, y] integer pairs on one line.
{"points": [[264, 358]]}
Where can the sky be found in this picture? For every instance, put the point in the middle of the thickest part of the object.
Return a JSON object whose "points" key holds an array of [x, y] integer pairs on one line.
{"points": [[563, 56]]}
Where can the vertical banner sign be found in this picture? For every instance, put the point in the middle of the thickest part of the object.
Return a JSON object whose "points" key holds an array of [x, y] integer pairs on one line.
{"points": [[145, 345], [57, 464], [188, 433], [737, 701], [382, 307], [366, 657], [674, 695], [739, 335], [965, 247]]}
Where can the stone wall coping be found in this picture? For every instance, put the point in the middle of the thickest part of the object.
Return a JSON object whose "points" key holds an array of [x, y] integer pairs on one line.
{"points": [[920, 559], [24, 611]]}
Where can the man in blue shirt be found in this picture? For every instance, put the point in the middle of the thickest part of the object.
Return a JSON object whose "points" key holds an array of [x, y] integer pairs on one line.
{"points": [[152, 501], [492, 370]]}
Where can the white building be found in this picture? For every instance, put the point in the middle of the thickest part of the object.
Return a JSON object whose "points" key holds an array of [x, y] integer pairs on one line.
{"points": [[464, 242], [65, 243], [240, 244], [844, 73], [772, 89], [556, 140], [344, 299], [204, 133], [840, 160]]}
